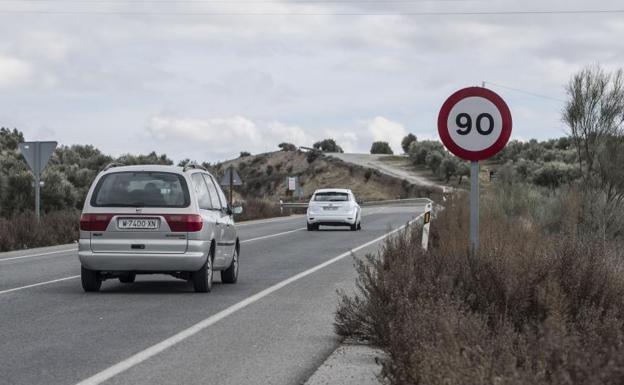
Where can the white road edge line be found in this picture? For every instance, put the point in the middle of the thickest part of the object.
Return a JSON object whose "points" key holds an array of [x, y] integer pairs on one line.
{"points": [[38, 255], [39, 284], [271, 235], [153, 350]]}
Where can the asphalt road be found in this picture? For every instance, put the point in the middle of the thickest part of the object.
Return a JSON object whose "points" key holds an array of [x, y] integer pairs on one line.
{"points": [[273, 327]]}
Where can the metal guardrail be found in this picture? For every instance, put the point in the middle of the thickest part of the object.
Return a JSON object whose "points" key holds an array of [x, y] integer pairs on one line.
{"points": [[407, 201]]}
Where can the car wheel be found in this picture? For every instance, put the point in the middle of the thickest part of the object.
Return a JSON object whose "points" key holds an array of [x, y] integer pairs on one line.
{"points": [[359, 226], [354, 227], [230, 275], [202, 278], [127, 278], [310, 227], [91, 279]]}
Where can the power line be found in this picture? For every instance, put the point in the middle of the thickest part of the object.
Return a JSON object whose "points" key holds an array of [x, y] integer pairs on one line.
{"points": [[126, 2], [189, 13], [525, 92]]}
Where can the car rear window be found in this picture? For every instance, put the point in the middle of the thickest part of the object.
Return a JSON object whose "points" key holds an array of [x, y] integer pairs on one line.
{"points": [[331, 196], [141, 189]]}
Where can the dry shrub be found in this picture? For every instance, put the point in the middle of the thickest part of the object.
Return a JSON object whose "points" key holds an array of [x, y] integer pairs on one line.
{"points": [[21, 231], [533, 307], [259, 209]]}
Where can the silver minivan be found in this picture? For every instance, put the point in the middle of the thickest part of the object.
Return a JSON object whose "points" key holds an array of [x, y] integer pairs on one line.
{"points": [[157, 219]]}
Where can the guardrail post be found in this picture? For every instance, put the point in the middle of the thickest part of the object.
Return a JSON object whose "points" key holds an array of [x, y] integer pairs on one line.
{"points": [[281, 207], [426, 225]]}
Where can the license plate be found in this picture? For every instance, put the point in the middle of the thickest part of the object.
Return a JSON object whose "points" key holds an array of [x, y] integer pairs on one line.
{"points": [[330, 208], [138, 223]]}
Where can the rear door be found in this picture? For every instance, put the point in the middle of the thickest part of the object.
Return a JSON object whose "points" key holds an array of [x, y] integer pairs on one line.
{"points": [[139, 206], [227, 219], [332, 202], [225, 244]]}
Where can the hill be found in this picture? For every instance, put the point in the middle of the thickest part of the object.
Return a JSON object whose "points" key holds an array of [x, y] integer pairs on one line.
{"points": [[264, 176]]}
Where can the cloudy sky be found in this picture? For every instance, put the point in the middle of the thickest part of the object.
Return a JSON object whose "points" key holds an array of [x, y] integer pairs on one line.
{"points": [[206, 79]]}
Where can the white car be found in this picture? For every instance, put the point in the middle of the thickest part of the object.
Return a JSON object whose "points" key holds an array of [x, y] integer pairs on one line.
{"points": [[334, 207]]}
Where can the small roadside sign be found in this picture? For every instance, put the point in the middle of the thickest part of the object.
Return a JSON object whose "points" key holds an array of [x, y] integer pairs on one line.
{"points": [[231, 177], [292, 183], [37, 155]]}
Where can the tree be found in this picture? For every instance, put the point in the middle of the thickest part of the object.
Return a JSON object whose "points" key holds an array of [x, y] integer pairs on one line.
{"points": [[448, 167], [10, 139], [381, 148], [594, 112], [434, 160], [463, 170], [418, 151], [151, 158], [244, 154], [284, 146], [407, 141], [327, 145]]}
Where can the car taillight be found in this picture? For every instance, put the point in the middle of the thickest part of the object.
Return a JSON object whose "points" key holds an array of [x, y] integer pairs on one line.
{"points": [[184, 222], [95, 222]]}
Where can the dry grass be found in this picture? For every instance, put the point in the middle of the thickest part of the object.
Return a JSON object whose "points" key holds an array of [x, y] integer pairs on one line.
{"points": [[21, 231], [534, 307], [259, 209]]}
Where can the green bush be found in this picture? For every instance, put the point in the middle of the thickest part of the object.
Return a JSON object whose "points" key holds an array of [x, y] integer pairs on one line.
{"points": [[381, 148]]}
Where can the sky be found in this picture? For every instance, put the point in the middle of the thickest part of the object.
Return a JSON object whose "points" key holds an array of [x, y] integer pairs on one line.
{"points": [[206, 79]]}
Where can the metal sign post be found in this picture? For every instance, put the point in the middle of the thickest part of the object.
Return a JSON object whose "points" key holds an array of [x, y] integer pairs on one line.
{"points": [[37, 155], [474, 206], [231, 179], [474, 124]]}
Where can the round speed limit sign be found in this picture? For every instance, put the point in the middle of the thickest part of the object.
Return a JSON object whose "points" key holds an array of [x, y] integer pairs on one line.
{"points": [[474, 123]]}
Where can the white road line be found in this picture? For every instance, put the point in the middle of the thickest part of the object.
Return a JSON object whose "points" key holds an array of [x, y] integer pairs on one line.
{"points": [[270, 220], [39, 284], [271, 235], [37, 255], [76, 276], [198, 327]]}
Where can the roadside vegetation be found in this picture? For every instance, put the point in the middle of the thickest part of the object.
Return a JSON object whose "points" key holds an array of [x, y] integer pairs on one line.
{"points": [[542, 301]]}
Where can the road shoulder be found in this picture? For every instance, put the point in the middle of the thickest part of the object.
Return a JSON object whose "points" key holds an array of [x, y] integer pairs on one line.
{"points": [[349, 364]]}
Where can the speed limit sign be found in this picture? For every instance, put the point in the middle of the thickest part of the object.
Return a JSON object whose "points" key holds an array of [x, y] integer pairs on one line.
{"points": [[474, 123]]}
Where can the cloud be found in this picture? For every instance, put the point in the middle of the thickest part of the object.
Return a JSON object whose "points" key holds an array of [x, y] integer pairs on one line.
{"points": [[223, 84], [383, 129], [225, 137], [15, 72]]}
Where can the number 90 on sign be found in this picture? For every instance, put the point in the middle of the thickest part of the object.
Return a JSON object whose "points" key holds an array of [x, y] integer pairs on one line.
{"points": [[474, 123]]}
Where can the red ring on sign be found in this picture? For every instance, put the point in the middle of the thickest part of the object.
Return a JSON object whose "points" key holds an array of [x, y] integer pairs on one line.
{"points": [[467, 93]]}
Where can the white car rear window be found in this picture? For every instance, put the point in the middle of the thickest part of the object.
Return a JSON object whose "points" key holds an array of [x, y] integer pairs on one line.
{"points": [[141, 189]]}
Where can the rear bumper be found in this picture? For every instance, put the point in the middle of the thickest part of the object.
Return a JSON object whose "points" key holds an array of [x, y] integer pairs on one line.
{"points": [[332, 220], [192, 260]]}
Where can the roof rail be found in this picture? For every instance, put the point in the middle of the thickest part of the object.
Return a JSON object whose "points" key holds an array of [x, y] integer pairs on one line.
{"points": [[194, 165], [111, 165]]}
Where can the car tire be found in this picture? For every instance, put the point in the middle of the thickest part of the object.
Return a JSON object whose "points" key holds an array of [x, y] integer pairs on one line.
{"points": [[310, 227], [91, 279], [230, 275], [127, 278], [359, 226], [202, 278], [354, 227]]}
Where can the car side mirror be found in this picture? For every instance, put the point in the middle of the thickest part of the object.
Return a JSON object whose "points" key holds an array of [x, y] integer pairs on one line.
{"points": [[237, 210]]}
